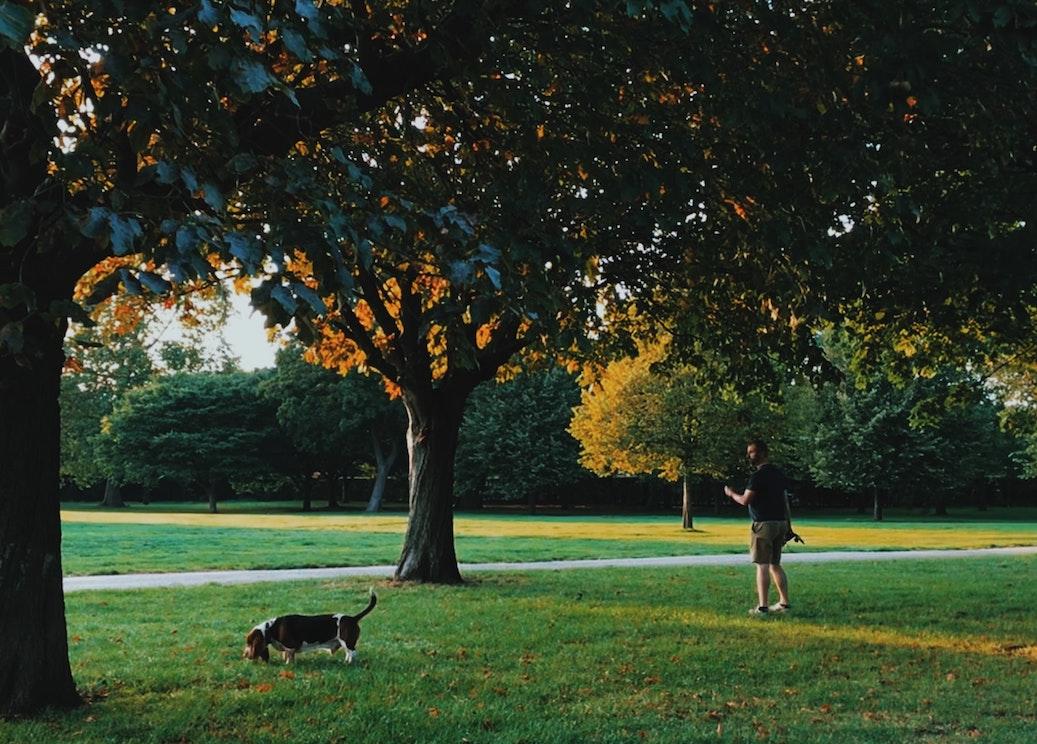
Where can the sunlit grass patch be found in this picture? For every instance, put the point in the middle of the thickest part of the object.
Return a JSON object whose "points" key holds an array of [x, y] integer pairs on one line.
{"points": [[105, 541], [889, 652]]}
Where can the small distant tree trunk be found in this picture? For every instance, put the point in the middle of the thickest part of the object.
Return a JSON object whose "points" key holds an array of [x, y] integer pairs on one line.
{"points": [[112, 495], [877, 499], [940, 506], [979, 495], [332, 497], [531, 502], [687, 503], [210, 491], [343, 495], [383, 463]]}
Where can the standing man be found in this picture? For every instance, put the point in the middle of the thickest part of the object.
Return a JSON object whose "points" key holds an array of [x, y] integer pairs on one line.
{"points": [[765, 496]]}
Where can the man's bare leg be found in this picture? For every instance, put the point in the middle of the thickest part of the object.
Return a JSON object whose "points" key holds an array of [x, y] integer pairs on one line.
{"points": [[781, 582], [763, 583]]}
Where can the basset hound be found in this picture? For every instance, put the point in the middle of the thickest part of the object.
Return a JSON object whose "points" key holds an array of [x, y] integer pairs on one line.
{"points": [[291, 634]]}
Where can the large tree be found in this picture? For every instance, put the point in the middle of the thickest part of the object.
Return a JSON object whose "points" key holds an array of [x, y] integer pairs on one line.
{"points": [[559, 155]]}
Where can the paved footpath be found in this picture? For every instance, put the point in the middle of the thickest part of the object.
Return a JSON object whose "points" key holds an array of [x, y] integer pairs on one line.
{"points": [[196, 578]]}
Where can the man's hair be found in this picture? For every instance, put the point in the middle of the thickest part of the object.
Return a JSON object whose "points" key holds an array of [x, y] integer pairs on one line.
{"points": [[761, 446]]}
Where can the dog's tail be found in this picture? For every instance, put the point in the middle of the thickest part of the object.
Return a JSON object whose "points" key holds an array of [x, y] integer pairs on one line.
{"points": [[370, 605]]}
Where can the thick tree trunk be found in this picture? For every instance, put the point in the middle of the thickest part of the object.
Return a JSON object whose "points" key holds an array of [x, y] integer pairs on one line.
{"points": [[432, 432], [112, 495], [877, 504], [383, 463], [34, 667], [687, 503]]}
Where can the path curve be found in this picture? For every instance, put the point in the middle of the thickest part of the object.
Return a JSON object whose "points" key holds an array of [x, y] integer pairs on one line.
{"points": [[197, 578]]}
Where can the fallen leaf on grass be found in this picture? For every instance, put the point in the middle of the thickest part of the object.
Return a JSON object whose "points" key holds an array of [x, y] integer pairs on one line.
{"points": [[265, 687], [287, 674]]}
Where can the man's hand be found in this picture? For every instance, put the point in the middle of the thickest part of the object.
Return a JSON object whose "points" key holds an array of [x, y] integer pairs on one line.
{"points": [[728, 492]]}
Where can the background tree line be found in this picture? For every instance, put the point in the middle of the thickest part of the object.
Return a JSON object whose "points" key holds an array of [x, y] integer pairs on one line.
{"points": [[173, 419]]}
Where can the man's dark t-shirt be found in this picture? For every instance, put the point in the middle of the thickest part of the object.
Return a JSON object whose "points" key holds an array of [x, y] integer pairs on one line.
{"points": [[768, 486]]}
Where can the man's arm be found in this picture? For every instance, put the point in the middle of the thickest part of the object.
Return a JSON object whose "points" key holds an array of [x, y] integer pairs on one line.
{"points": [[741, 498]]}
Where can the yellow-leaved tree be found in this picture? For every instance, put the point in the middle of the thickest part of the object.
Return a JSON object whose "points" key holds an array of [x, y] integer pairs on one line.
{"points": [[642, 417]]}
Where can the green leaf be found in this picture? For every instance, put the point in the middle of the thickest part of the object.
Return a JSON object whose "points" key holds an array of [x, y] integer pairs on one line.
{"points": [[360, 81], [245, 250], [167, 173], [252, 76], [13, 295], [677, 10], [103, 289], [248, 21], [11, 337], [364, 254], [16, 23], [208, 14], [15, 219], [284, 298], [311, 297], [243, 162], [212, 196], [124, 231], [1003, 16], [154, 282], [296, 44], [130, 282], [72, 310], [190, 179], [307, 10]]}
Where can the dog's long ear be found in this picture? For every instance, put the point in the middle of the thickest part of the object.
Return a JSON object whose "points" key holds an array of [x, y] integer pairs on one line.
{"points": [[255, 646]]}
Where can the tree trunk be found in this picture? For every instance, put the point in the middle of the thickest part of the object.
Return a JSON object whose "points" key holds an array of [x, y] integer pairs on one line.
{"points": [[877, 504], [687, 503], [434, 421], [384, 462], [333, 499], [210, 491], [112, 495], [34, 667]]}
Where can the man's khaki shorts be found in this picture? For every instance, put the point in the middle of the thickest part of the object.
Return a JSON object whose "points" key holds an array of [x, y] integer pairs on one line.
{"points": [[767, 540]]}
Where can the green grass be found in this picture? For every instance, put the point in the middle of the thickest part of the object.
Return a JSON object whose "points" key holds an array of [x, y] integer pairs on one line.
{"points": [[926, 651], [172, 538]]}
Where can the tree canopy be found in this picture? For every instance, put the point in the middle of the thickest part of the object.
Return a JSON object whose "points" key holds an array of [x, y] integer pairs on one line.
{"points": [[428, 188]]}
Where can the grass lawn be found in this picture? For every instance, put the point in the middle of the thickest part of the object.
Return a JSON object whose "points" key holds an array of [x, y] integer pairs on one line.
{"points": [[183, 537], [920, 651]]}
